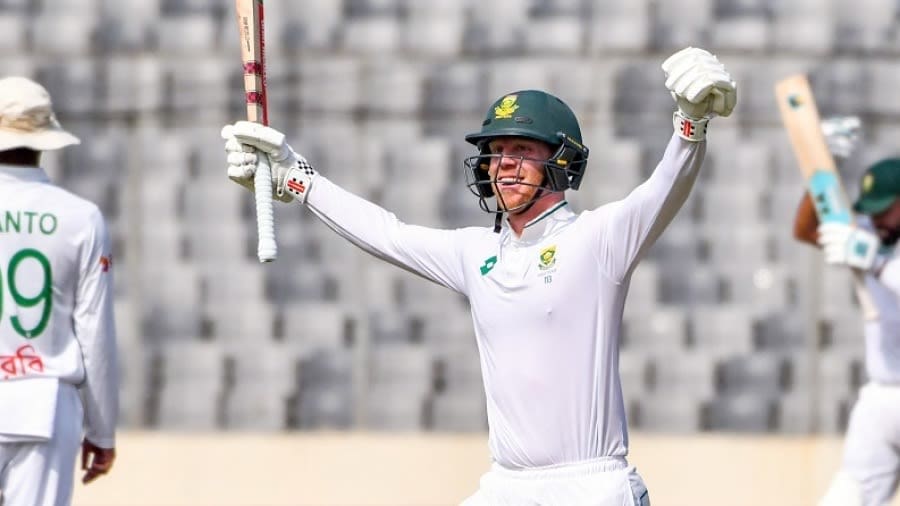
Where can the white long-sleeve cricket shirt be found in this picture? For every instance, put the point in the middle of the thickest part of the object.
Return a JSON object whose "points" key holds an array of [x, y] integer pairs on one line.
{"points": [[546, 306], [882, 335], [56, 299]]}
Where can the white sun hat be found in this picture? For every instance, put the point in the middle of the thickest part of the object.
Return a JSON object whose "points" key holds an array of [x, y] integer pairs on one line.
{"points": [[27, 119]]}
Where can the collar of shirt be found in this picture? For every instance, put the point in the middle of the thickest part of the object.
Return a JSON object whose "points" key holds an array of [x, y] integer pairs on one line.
{"points": [[538, 228], [22, 173]]}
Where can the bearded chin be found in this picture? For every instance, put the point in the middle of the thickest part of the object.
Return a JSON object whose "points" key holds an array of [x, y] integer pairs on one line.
{"points": [[891, 238]]}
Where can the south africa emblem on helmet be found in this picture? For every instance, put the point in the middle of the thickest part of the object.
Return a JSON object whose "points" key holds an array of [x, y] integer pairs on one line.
{"points": [[506, 108], [547, 258], [867, 183]]}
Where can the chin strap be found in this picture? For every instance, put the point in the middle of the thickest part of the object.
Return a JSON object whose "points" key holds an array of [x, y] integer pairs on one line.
{"points": [[499, 215]]}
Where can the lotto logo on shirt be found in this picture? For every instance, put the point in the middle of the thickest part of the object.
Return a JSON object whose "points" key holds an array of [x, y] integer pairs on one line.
{"points": [[488, 265], [106, 262]]}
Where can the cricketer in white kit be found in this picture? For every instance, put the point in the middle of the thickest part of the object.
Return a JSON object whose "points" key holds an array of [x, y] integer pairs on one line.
{"points": [[546, 285], [58, 365], [870, 468]]}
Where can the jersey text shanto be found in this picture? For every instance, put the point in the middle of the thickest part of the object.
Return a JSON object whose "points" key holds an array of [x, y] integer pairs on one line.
{"points": [[28, 222]]}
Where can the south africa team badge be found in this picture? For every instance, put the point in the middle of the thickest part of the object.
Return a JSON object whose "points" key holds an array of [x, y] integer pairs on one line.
{"points": [[547, 258], [506, 108], [547, 263]]}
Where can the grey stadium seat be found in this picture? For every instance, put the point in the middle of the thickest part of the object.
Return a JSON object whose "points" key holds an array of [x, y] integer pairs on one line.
{"points": [[843, 332], [557, 35], [315, 324], [63, 34], [325, 397], [742, 413], [393, 367], [755, 374], [193, 377], [677, 25], [866, 25], [250, 321], [330, 84], [392, 87], [371, 36], [186, 34], [795, 413], [619, 26], [669, 414], [748, 33], [460, 411], [664, 328], [803, 32], [13, 33], [265, 378], [686, 375], [457, 87], [433, 36], [722, 329], [395, 407]]}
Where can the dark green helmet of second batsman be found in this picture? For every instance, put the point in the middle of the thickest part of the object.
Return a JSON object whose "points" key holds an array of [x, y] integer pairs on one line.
{"points": [[532, 114]]}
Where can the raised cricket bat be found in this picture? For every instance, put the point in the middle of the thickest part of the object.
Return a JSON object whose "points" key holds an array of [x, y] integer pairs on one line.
{"points": [[252, 36], [801, 119]]}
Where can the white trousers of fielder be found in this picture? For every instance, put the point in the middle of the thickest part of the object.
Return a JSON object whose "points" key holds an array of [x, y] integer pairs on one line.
{"points": [[42, 473], [608, 481], [870, 466]]}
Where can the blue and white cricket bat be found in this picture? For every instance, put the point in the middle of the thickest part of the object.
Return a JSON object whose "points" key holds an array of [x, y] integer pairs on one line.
{"points": [[801, 119]]}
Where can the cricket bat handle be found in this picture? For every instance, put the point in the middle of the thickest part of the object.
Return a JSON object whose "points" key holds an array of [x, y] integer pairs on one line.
{"points": [[866, 304], [266, 250]]}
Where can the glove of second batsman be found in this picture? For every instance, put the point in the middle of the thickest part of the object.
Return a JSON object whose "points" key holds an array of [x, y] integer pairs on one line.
{"points": [[841, 134], [292, 175], [848, 245]]}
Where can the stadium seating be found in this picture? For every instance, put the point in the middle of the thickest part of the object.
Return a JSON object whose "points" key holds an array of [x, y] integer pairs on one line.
{"points": [[619, 27], [192, 385], [462, 411], [264, 379], [667, 414], [730, 324], [742, 413], [663, 328]]}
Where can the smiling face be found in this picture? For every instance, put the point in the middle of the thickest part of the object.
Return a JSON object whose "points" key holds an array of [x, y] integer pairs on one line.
{"points": [[517, 170]]}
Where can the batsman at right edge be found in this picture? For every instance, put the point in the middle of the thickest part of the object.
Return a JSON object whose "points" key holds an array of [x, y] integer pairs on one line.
{"points": [[870, 467], [546, 285]]}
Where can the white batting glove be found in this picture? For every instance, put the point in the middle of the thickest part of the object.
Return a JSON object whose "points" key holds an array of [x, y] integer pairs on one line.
{"points": [[292, 175], [242, 161], [841, 134], [848, 245], [701, 87]]}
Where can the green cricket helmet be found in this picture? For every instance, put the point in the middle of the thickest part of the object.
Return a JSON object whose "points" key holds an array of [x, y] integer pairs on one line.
{"points": [[532, 114], [879, 188]]}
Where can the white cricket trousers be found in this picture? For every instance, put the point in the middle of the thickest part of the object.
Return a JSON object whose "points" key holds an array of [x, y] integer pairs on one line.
{"points": [[43, 473], [608, 481], [871, 463]]}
